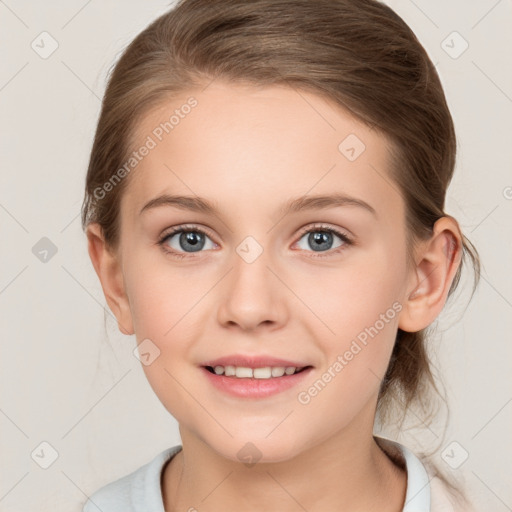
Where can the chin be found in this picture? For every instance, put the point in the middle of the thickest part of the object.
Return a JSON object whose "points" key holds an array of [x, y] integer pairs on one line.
{"points": [[252, 449]]}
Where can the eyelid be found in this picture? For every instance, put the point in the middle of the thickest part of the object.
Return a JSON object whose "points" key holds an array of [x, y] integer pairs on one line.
{"points": [[207, 231], [319, 226], [186, 227], [346, 238]]}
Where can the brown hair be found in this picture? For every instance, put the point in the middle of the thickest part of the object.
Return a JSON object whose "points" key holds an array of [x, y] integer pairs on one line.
{"points": [[358, 53]]}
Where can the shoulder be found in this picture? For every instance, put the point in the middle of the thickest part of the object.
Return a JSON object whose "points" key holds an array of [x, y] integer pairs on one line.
{"points": [[427, 488], [443, 496], [134, 492]]}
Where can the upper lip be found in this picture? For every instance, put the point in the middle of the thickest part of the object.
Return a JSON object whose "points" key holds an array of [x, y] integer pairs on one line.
{"points": [[253, 361]]}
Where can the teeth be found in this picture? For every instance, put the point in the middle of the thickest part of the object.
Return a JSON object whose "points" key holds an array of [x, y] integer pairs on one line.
{"points": [[262, 373], [240, 371], [278, 371], [267, 372]]}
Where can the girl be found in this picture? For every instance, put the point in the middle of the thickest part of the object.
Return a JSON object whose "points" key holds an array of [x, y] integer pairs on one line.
{"points": [[265, 211]]}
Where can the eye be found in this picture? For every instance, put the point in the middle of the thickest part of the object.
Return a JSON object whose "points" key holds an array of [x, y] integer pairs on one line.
{"points": [[190, 240], [321, 238], [193, 239]]}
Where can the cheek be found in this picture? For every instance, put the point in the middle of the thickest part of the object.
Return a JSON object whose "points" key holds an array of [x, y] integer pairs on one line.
{"points": [[166, 303], [165, 307], [354, 293], [360, 305], [356, 360], [163, 296]]}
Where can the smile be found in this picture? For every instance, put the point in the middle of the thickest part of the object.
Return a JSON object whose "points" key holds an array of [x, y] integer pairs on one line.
{"points": [[242, 372], [255, 383]]}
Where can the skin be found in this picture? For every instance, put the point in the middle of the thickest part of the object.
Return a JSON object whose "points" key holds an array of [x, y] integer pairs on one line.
{"points": [[250, 150]]}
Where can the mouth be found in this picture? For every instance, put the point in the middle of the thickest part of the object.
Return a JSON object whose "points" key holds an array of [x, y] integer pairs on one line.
{"points": [[258, 382], [264, 372]]}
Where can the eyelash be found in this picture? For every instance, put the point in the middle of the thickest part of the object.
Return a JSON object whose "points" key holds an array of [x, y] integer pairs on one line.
{"points": [[347, 241]]}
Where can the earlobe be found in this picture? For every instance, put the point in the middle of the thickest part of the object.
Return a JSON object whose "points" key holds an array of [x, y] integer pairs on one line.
{"points": [[438, 261], [108, 269]]}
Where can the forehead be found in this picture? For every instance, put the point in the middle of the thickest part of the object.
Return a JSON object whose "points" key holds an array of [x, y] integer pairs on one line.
{"points": [[255, 147]]}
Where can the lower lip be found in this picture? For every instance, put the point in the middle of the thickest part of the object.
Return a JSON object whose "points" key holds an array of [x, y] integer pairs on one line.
{"points": [[255, 388]]}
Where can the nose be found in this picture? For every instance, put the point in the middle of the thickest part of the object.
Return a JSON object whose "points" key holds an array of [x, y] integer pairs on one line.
{"points": [[253, 295]]}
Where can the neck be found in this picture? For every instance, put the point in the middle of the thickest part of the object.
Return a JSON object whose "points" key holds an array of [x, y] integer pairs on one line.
{"points": [[347, 471]]}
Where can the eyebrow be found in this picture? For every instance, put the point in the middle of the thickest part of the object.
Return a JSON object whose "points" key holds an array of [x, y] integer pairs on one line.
{"points": [[318, 202]]}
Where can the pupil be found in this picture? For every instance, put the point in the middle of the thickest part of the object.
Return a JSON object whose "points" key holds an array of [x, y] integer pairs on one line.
{"points": [[191, 237], [194, 240], [320, 239]]}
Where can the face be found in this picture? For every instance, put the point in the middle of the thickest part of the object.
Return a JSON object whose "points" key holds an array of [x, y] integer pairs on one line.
{"points": [[316, 286]]}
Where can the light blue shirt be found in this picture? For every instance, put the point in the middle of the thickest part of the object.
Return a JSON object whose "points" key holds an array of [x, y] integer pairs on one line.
{"points": [[140, 491]]}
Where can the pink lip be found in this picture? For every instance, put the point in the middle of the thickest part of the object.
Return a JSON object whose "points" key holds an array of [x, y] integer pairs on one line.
{"points": [[255, 388], [252, 361]]}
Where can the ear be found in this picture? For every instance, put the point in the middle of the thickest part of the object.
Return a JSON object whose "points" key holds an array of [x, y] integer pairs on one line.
{"points": [[438, 260], [108, 268]]}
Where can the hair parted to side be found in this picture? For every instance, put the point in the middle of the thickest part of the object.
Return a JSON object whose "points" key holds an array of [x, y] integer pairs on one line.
{"points": [[357, 53]]}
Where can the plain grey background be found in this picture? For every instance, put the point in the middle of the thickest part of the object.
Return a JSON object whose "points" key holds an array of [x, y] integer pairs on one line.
{"points": [[71, 383]]}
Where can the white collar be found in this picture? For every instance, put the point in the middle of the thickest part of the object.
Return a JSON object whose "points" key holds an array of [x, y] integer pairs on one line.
{"points": [[417, 497], [141, 490]]}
